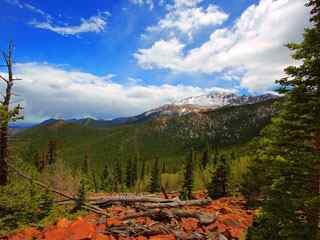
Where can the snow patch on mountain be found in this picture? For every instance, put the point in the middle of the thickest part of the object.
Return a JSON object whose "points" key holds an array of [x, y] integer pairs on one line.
{"points": [[210, 101]]}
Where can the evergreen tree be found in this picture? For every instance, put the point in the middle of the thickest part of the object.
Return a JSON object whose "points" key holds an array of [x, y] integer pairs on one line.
{"points": [[155, 177], [205, 159], [117, 177], [143, 169], [129, 173], [135, 169], [188, 177], [42, 161], [85, 166], [291, 205], [46, 204], [163, 169], [217, 187], [81, 197], [105, 179], [94, 181], [52, 152]]}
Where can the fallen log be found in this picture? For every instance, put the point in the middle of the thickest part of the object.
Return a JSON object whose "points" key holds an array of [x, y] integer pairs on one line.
{"points": [[139, 230], [127, 199], [177, 203], [87, 206], [166, 216], [153, 230]]}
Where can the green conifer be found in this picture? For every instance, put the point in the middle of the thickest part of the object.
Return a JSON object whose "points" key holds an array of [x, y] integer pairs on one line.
{"points": [[187, 187], [155, 177], [288, 156], [81, 197], [129, 173], [105, 179], [217, 187]]}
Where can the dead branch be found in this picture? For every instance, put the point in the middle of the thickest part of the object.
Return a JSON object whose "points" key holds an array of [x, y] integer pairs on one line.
{"points": [[87, 206], [163, 190]]}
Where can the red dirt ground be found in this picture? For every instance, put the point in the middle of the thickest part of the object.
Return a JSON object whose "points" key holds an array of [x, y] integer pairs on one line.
{"points": [[232, 222]]}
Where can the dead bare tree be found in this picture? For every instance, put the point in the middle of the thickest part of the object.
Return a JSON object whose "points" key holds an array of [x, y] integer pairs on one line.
{"points": [[7, 112]]}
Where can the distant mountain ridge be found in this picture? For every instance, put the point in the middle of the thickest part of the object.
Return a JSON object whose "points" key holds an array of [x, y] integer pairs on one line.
{"points": [[168, 132], [197, 104]]}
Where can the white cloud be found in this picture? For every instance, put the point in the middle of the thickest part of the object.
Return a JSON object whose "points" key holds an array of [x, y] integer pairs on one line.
{"points": [[29, 7], [254, 44], [50, 91], [93, 24], [185, 16], [163, 54], [143, 2], [186, 3]]}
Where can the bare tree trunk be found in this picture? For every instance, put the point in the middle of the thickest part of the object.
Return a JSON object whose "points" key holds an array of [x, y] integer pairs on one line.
{"points": [[3, 155], [5, 116]]}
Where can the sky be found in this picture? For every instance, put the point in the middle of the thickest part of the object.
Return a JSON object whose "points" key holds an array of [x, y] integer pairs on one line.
{"points": [[114, 58]]}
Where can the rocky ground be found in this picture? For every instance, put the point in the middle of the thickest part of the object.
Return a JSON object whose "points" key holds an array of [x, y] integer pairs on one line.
{"points": [[222, 219]]}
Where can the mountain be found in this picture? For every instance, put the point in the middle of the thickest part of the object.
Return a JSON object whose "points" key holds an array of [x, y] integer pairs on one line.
{"points": [[198, 104], [217, 99], [167, 132]]}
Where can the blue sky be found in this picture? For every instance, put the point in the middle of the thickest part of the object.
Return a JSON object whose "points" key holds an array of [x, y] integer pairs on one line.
{"points": [[107, 59]]}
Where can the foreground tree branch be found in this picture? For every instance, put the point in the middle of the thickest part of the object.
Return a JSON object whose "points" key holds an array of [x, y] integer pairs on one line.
{"points": [[6, 114]]}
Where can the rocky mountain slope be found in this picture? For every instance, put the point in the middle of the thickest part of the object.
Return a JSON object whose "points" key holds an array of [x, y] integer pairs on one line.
{"points": [[167, 132], [198, 104]]}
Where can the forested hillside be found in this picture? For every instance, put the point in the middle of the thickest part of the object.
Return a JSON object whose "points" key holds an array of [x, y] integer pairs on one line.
{"points": [[167, 137]]}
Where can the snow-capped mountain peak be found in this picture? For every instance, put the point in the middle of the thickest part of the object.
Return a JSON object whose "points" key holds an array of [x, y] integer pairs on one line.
{"points": [[210, 101], [218, 99]]}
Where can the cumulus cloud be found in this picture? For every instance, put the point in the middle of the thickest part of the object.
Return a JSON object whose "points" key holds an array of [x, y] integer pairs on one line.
{"points": [[253, 46], [51, 91], [93, 24], [143, 2], [187, 17]]}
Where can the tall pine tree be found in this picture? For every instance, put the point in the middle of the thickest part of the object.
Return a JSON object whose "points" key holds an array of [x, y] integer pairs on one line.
{"points": [[155, 177], [291, 207], [105, 179], [187, 187], [217, 187]]}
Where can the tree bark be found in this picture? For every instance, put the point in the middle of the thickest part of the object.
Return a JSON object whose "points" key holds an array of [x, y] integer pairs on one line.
{"points": [[204, 219], [4, 118]]}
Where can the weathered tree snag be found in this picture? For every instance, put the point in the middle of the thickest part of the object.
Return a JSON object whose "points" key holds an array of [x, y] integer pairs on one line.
{"points": [[7, 57], [6, 115]]}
